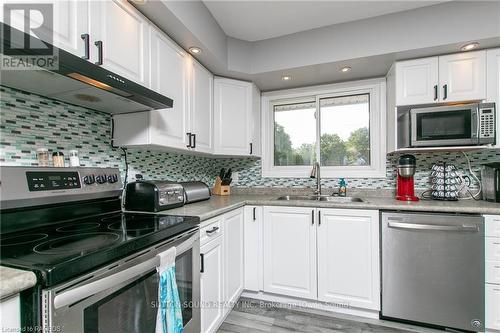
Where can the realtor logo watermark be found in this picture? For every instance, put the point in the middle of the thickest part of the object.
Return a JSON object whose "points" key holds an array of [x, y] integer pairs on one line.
{"points": [[28, 37]]}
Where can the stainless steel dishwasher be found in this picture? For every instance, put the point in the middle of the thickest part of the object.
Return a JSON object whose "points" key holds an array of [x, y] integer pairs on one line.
{"points": [[433, 269]]}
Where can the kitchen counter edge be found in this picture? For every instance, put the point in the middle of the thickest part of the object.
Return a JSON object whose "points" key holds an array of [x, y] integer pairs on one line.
{"points": [[13, 281]]}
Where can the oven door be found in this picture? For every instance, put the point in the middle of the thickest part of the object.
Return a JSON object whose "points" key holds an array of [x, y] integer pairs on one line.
{"points": [[123, 297], [445, 126]]}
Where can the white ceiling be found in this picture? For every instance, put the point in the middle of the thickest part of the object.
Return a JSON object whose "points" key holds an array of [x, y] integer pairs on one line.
{"points": [[258, 20]]}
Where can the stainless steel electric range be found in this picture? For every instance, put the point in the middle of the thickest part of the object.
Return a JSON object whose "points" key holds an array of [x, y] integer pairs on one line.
{"points": [[95, 265]]}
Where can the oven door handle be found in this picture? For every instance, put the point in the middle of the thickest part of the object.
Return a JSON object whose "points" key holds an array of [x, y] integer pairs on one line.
{"points": [[77, 294]]}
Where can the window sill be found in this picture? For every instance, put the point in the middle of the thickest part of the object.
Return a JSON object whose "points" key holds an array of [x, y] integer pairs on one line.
{"points": [[349, 172]]}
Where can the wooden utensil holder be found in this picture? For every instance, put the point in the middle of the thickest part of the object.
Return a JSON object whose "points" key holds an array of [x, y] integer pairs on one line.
{"points": [[220, 189]]}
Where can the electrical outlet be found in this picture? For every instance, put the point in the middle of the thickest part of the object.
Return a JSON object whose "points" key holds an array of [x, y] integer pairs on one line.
{"points": [[235, 177]]}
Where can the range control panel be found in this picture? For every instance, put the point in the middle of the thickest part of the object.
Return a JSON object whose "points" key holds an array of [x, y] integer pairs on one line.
{"points": [[52, 180], [487, 123]]}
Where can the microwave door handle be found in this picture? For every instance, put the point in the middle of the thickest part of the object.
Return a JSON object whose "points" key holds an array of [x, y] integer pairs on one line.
{"points": [[475, 124], [77, 294]]}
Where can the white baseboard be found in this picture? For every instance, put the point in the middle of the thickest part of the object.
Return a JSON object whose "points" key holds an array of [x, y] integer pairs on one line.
{"points": [[311, 305]]}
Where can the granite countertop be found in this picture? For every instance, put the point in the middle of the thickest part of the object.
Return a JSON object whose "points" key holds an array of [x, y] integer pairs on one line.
{"points": [[221, 204], [13, 281]]}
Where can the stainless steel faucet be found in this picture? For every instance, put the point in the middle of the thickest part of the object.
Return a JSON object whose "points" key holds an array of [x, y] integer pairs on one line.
{"points": [[315, 173]]}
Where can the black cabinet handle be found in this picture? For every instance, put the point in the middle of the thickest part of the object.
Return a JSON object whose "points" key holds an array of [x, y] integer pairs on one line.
{"points": [[190, 142], [319, 217], [254, 213], [86, 40], [445, 91], [194, 141], [312, 217], [99, 61], [251, 148], [435, 92], [211, 231], [202, 263]]}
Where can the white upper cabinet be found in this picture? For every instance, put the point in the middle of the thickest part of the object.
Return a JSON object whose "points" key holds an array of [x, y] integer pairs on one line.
{"points": [[169, 77], [123, 32], [348, 257], [417, 81], [448, 78], [290, 251], [462, 76], [202, 116], [70, 24], [233, 117]]}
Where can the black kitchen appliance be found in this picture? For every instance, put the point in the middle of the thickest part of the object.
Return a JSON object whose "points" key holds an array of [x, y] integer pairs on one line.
{"points": [[490, 181], [94, 264], [153, 195]]}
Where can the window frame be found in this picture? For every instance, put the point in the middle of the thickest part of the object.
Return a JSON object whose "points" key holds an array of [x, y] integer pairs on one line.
{"points": [[376, 88]]}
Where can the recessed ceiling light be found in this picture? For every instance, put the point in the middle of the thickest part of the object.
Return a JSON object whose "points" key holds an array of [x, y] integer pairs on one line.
{"points": [[195, 50], [286, 78], [345, 69], [470, 46]]}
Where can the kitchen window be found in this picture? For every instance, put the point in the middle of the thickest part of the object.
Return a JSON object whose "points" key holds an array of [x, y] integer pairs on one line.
{"points": [[339, 125]]}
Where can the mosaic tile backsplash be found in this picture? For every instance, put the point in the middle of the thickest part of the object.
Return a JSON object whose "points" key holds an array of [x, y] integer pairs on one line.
{"points": [[28, 121]]}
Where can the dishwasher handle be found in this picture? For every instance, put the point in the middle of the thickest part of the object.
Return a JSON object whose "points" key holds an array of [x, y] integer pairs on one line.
{"points": [[434, 227]]}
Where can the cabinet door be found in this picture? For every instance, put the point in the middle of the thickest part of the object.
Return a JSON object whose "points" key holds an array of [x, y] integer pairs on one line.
{"points": [[233, 260], [462, 76], [348, 258], [232, 110], [493, 306], [124, 33], [211, 285], [70, 21], [417, 81], [169, 77], [253, 248], [493, 83], [10, 308], [290, 251], [202, 108], [255, 124]]}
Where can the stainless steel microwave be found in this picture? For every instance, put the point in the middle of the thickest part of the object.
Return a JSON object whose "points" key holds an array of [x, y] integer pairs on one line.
{"points": [[457, 125]]}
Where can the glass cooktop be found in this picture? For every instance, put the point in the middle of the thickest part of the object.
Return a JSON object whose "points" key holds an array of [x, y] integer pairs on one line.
{"points": [[58, 252]]}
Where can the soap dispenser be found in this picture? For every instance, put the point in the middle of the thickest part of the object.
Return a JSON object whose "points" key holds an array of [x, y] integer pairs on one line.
{"points": [[342, 188]]}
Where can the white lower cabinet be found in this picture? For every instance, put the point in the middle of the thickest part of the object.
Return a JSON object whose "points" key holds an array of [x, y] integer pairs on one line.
{"points": [[252, 232], [10, 310], [222, 268], [290, 251], [233, 256], [211, 285], [348, 257], [329, 255], [492, 268]]}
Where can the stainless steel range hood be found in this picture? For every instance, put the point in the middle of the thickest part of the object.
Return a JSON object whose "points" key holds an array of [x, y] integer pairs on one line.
{"points": [[83, 83]]}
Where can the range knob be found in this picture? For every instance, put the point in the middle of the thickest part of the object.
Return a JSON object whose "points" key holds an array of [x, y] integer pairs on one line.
{"points": [[89, 180], [101, 179]]}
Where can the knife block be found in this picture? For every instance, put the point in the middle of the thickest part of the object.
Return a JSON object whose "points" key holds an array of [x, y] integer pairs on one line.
{"points": [[220, 189]]}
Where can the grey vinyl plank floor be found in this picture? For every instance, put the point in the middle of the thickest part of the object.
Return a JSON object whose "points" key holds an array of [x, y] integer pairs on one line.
{"points": [[248, 315]]}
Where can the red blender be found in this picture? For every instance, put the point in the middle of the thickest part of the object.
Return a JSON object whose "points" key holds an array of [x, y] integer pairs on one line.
{"points": [[406, 185]]}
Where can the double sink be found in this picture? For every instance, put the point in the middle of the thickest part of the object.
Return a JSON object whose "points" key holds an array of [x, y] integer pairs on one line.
{"points": [[328, 198]]}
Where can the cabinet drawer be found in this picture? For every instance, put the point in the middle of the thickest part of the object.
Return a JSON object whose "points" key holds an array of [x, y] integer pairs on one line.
{"points": [[211, 230], [493, 272], [492, 226], [492, 306], [492, 248]]}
